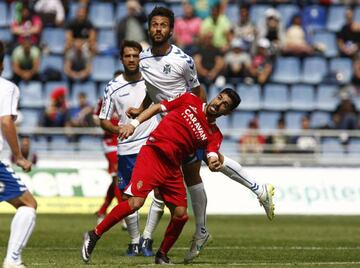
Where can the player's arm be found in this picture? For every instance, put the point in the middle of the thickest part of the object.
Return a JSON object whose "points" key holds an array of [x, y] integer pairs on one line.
{"points": [[107, 125], [214, 158], [133, 112], [9, 132], [200, 92]]}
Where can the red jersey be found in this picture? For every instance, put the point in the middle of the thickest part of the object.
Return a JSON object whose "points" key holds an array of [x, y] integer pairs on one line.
{"points": [[185, 129]]}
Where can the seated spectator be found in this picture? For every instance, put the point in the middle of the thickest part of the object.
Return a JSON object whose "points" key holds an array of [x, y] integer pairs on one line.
{"points": [[81, 28], [26, 62], [52, 12], [272, 29], [295, 42], [345, 114], [348, 39], [237, 62], [261, 63], [305, 142], [56, 113], [82, 114], [278, 142], [220, 26], [131, 27], [252, 141], [208, 60], [27, 25], [244, 29], [77, 65], [26, 151], [203, 8], [187, 29]]}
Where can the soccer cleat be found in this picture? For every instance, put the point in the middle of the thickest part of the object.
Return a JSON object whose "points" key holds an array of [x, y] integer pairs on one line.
{"points": [[146, 247], [133, 250], [90, 239], [10, 264], [197, 244], [123, 225], [161, 258], [266, 200]]}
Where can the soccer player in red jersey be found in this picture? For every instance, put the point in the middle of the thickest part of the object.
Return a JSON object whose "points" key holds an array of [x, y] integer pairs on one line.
{"points": [[188, 126]]}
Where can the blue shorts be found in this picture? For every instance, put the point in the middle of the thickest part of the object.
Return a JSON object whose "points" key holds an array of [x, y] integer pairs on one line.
{"points": [[126, 165], [199, 155], [11, 185]]}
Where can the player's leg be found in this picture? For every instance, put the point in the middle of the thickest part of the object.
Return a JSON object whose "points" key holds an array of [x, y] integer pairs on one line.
{"points": [[264, 192], [23, 223]]}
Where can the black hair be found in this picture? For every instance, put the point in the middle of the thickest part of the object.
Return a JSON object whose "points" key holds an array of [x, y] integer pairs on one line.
{"points": [[2, 51], [233, 95], [129, 43], [162, 12]]}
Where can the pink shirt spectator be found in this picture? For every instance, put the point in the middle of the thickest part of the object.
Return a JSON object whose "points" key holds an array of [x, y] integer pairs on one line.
{"points": [[27, 29], [186, 29]]}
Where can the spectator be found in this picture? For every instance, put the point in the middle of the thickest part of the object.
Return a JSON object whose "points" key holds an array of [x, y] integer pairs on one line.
{"points": [[345, 115], [77, 65], [208, 60], [278, 141], [28, 25], [305, 142], [348, 39], [56, 113], [81, 28], [82, 114], [261, 63], [252, 141], [244, 29], [52, 12], [220, 26], [187, 30], [131, 27], [203, 8], [273, 30], [295, 42], [26, 151], [26, 62], [237, 62]]}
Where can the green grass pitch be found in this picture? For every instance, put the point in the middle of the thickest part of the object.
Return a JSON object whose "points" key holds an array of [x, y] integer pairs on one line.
{"points": [[239, 241]]}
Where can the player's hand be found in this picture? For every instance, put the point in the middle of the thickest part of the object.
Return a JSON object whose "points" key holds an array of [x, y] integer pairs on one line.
{"points": [[24, 164], [133, 112], [126, 131], [214, 163]]}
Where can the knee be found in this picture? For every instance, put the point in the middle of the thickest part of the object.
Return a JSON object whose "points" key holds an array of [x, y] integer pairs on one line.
{"points": [[136, 202], [183, 218], [180, 213]]}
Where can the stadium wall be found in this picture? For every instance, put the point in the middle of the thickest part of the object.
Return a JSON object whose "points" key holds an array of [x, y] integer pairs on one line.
{"points": [[79, 187]]}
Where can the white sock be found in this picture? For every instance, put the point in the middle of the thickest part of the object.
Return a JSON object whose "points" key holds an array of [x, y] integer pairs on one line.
{"points": [[133, 228], [22, 226], [235, 171], [199, 203], [155, 212]]}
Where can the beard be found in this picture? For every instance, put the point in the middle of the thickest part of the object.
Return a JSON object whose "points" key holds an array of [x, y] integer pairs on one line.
{"points": [[158, 43], [131, 72]]}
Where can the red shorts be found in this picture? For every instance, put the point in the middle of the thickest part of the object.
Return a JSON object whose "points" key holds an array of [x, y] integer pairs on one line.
{"points": [[153, 170], [113, 163]]}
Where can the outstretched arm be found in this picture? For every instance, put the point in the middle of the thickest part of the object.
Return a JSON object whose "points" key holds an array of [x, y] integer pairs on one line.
{"points": [[133, 112]]}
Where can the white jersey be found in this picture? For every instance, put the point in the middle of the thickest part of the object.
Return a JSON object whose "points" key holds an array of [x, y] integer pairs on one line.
{"points": [[9, 97], [120, 95], [168, 76]]}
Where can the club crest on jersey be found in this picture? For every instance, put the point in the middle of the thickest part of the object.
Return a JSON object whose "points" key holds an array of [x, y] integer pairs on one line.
{"points": [[167, 69], [139, 184]]}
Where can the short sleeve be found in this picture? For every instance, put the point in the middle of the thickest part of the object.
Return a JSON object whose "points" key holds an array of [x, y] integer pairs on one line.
{"points": [[9, 101], [190, 73], [107, 107], [215, 140], [168, 105]]}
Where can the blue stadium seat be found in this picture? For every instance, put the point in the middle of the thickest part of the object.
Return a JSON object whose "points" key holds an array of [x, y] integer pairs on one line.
{"points": [[73, 9], [89, 143], [276, 97], [342, 66], [329, 40], [232, 13], [331, 146], [293, 119], [3, 15], [287, 11], [257, 12], [5, 35], [287, 70], [356, 101], [212, 91], [240, 119], [149, 6], [7, 72], [52, 61], [121, 10], [11, 16], [327, 97], [336, 18], [268, 120], [30, 117], [314, 70], [230, 147], [106, 41], [223, 122], [102, 15], [302, 97], [60, 143], [357, 14], [101, 89], [31, 95], [177, 8], [54, 38], [50, 86], [89, 88], [354, 148], [314, 17], [319, 119], [250, 96], [103, 68]]}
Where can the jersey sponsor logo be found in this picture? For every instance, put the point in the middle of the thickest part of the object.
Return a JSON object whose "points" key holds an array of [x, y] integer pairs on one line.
{"points": [[193, 108], [194, 124], [167, 69]]}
